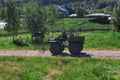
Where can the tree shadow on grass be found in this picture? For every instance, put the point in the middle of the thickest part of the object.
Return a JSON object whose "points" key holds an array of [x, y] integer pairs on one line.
{"points": [[79, 55]]}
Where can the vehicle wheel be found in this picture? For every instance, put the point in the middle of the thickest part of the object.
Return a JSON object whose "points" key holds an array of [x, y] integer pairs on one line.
{"points": [[75, 48], [56, 48]]}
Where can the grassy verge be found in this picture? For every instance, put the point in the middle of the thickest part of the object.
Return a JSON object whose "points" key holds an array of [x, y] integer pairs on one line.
{"points": [[102, 40], [3, 32], [43, 68], [74, 24], [93, 40], [68, 24], [7, 44]]}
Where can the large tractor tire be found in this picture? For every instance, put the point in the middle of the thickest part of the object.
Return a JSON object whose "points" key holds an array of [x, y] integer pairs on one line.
{"points": [[75, 48], [56, 48]]}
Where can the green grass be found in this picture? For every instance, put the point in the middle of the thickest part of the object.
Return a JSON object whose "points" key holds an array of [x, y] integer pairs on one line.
{"points": [[43, 68], [102, 40], [68, 25], [75, 24], [7, 44], [3, 32], [93, 40]]}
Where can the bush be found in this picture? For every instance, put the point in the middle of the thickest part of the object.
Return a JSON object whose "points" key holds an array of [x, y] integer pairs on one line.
{"points": [[117, 17]]}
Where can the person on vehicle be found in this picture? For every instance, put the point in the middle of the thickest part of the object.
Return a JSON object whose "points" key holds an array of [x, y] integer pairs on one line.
{"points": [[62, 37], [72, 35]]}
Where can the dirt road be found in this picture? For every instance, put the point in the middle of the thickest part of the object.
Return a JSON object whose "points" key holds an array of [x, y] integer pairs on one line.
{"points": [[87, 53]]}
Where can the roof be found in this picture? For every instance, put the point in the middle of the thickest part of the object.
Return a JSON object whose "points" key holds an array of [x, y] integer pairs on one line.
{"points": [[2, 25], [98, 14], [62, 8], [73, 15]]}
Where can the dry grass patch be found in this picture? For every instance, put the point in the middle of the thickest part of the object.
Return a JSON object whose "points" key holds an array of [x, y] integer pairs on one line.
{"points": [[12, 67], [52, 73]]}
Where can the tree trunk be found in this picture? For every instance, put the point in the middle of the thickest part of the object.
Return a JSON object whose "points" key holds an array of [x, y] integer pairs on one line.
{"points": [[13, 37]]}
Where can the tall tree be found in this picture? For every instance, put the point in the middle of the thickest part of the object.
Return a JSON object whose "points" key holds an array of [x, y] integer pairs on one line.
{"points": [[117, 16], [51, 16], [35, 17], [13, 18]]}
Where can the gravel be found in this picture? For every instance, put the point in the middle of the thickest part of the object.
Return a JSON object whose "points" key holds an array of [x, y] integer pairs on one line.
{"points": [[86, 53]]}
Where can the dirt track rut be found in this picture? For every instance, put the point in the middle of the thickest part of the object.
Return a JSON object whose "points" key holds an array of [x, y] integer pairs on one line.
{"points": [[87, 53]]}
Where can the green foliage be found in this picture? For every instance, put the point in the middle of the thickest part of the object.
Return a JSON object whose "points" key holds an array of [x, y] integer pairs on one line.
{"points": [[117, 16], [51, 15], [44, 68], [80, 12], [108, 10], [1, 13], [13, 18], [35, 17]]}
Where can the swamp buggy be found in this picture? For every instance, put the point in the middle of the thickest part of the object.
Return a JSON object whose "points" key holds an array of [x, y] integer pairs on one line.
{"points": [[75, 45]]}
